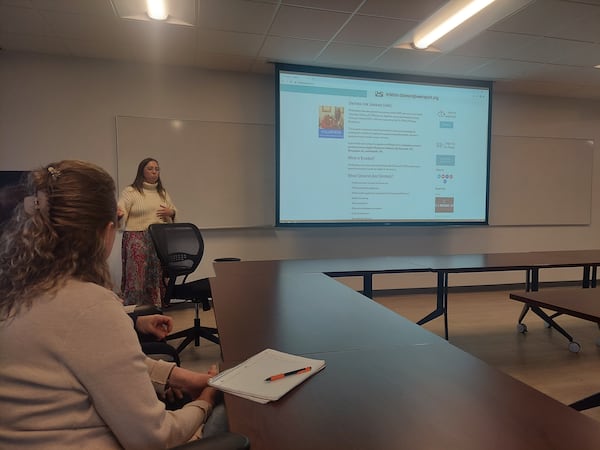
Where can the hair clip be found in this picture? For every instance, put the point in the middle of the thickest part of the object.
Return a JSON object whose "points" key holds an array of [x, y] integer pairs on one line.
{"points": [[37, 202], [54, 173]]}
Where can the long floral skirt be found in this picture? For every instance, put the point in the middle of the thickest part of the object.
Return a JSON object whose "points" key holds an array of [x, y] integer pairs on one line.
{"points": [[141, 280]]}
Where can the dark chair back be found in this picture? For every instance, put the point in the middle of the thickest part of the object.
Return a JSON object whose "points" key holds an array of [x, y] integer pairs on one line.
{"points": [[179, 247]]}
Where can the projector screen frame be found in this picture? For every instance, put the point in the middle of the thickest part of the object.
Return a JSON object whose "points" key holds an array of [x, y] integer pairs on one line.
{"points": [[384, 77]]}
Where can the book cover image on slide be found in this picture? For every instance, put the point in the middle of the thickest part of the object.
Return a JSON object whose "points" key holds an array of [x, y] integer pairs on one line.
{"points": [[331, 122]]}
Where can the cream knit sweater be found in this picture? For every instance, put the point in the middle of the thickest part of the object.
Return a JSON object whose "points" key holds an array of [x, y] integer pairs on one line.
{"points": [[140, 208], [73, 376]]}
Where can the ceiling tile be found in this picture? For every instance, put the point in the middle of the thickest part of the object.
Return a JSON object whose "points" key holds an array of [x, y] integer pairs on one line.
{"points": [[539, 49], [107, 48], [543, 46], [145, 35], [348, 54], [215, 61], [410, 10], [455, 66], [505, 69], [19, 3], [580, 75], [329, 5], [360, 31], [264, 67], [33, 43], [229, 42], [235, 15], [291, 49], [493, 44], [96, 7], [541, 17], [22, 20], [307, 23], [575, 53], [404, 61], [79, 26], [585, 29]]}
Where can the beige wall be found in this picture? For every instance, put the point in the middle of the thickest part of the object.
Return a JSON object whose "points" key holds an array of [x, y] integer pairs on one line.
{"points": [[53, 108]]}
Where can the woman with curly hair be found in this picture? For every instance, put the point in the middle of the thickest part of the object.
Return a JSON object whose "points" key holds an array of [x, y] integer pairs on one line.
{"points": [[72, 374]]}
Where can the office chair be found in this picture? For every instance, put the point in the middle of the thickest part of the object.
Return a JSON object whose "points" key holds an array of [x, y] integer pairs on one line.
{"points": [[224, 441], [151, 346], [180, 248]]}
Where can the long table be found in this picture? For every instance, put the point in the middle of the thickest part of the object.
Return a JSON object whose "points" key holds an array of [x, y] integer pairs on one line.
{"points": [[529, 262], [581, 303], [388, 382], [366, 267]]}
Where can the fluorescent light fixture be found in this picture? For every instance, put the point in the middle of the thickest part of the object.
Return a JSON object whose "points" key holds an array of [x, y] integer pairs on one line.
{"points": [[448, 27], [171, 12], [157, 9], [445, 20]]}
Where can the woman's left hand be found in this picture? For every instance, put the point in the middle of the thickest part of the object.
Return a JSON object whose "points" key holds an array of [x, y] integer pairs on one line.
{"points": [[164, 212]]}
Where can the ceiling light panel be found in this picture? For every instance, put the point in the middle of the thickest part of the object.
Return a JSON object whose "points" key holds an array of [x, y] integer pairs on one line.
{"points": [[179, 12], [484, 19]]}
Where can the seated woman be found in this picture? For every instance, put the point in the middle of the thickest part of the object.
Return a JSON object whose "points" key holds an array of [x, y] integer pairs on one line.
{"points": [[72, 374]]}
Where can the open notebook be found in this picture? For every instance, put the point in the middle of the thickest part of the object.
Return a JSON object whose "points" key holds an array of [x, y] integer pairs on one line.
{"points": [[248, 379]]}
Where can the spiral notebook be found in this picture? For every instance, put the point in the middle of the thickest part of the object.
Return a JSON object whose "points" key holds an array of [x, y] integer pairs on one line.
{"points": [[249, 379]]}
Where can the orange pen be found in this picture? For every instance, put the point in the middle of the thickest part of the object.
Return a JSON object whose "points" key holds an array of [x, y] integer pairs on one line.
{"points": [[279, 376]]}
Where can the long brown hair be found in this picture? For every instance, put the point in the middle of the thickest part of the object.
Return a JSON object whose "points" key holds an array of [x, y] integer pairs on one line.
{"points": [[138, 183], [57, 233]]}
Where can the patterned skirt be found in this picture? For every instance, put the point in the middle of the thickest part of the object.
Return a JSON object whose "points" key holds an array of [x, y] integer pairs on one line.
{"points": [[141, 281]]}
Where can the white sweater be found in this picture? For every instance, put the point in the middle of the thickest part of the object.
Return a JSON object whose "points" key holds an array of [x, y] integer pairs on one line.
{"points": [[140, 209], [73, 376]]}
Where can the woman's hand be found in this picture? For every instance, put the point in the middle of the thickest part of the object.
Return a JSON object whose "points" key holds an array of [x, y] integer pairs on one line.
{"points": [[164, 212], [210, 395], [157, 325], [193, 383]]}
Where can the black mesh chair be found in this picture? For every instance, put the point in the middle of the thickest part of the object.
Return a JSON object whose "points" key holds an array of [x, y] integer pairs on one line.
{"points": [[180, 248], [223, 441]]}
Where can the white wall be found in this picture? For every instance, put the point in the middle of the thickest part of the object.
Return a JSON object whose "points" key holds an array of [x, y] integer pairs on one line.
{"points": [[53, 108]]}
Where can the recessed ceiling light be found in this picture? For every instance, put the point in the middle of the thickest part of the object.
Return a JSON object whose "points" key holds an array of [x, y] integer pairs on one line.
{"points": [[157, 9], [172, 12]]}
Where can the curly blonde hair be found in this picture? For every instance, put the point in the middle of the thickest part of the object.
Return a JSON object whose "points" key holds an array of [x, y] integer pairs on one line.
{"points": [[59, 238]]}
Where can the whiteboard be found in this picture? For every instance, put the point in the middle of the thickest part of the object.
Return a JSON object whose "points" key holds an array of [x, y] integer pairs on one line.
{"points": [[218, 174], [540, 181], [222, 174]]}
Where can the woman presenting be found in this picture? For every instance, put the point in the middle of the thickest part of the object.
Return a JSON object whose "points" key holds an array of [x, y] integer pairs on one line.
{"points": [[140, 205]]}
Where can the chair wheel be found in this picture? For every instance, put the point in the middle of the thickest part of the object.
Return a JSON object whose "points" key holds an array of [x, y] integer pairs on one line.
{"points": [[574, 347], [522, 328]]}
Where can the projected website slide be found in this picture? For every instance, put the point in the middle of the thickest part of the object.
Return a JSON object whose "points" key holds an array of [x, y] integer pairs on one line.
{"points": [[371, 150]]}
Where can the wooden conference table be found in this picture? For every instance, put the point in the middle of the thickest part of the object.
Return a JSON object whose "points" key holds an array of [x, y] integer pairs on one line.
{"points": [[388, 382], [581, 303], [529, 262]]}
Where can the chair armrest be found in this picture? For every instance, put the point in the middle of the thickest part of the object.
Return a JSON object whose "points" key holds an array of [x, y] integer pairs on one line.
{"points": [[223, 441], [146, 310]]}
